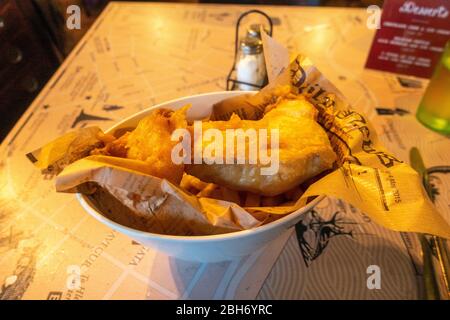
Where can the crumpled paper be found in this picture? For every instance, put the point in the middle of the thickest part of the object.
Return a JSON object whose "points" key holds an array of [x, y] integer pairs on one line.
{"points": [[368, 177]]}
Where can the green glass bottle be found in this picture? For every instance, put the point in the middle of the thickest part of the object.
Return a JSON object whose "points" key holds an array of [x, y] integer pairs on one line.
{"points": [[434, 109]]}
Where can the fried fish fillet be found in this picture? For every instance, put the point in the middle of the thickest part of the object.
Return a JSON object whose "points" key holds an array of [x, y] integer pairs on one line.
{"points": [[151, 142], [303, 151]]}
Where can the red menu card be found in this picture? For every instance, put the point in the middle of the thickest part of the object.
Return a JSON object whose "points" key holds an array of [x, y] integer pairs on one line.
{"points": [[411, 38]]}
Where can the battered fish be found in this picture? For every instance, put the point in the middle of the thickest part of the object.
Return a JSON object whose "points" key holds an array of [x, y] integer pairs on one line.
{"points": [[150, 142], [304, 150]]}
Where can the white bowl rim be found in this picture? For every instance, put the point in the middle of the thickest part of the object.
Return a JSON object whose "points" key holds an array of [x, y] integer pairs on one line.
{"points": [[86, 202]]}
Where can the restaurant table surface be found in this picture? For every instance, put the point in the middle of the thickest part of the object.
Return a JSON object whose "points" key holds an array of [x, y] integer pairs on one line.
{"points": [[140, 54]]}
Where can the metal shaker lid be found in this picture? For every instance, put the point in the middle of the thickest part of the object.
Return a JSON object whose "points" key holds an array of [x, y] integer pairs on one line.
{"points": [[254, 31], [250, 45]]}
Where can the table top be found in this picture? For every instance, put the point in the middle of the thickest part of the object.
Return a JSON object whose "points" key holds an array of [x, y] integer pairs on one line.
{"points": [[140, 54]]}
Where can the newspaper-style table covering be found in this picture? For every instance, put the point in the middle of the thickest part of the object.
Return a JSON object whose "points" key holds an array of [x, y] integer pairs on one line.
{"points": [[137, 55]]}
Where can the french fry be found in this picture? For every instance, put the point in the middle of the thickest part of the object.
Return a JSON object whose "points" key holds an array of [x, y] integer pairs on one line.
{"points": [[192, 184], [208, 190], [185, 182], [197, 183]]}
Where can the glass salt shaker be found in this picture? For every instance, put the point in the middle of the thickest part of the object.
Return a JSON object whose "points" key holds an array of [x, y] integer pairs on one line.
{"points": [[250, 66]]}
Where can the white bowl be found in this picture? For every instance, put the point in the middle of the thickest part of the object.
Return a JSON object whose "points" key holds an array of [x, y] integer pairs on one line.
{"points": [[200, 248]]}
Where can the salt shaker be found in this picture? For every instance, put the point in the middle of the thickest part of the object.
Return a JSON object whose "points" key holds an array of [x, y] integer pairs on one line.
{"points": [[250, 66]]}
